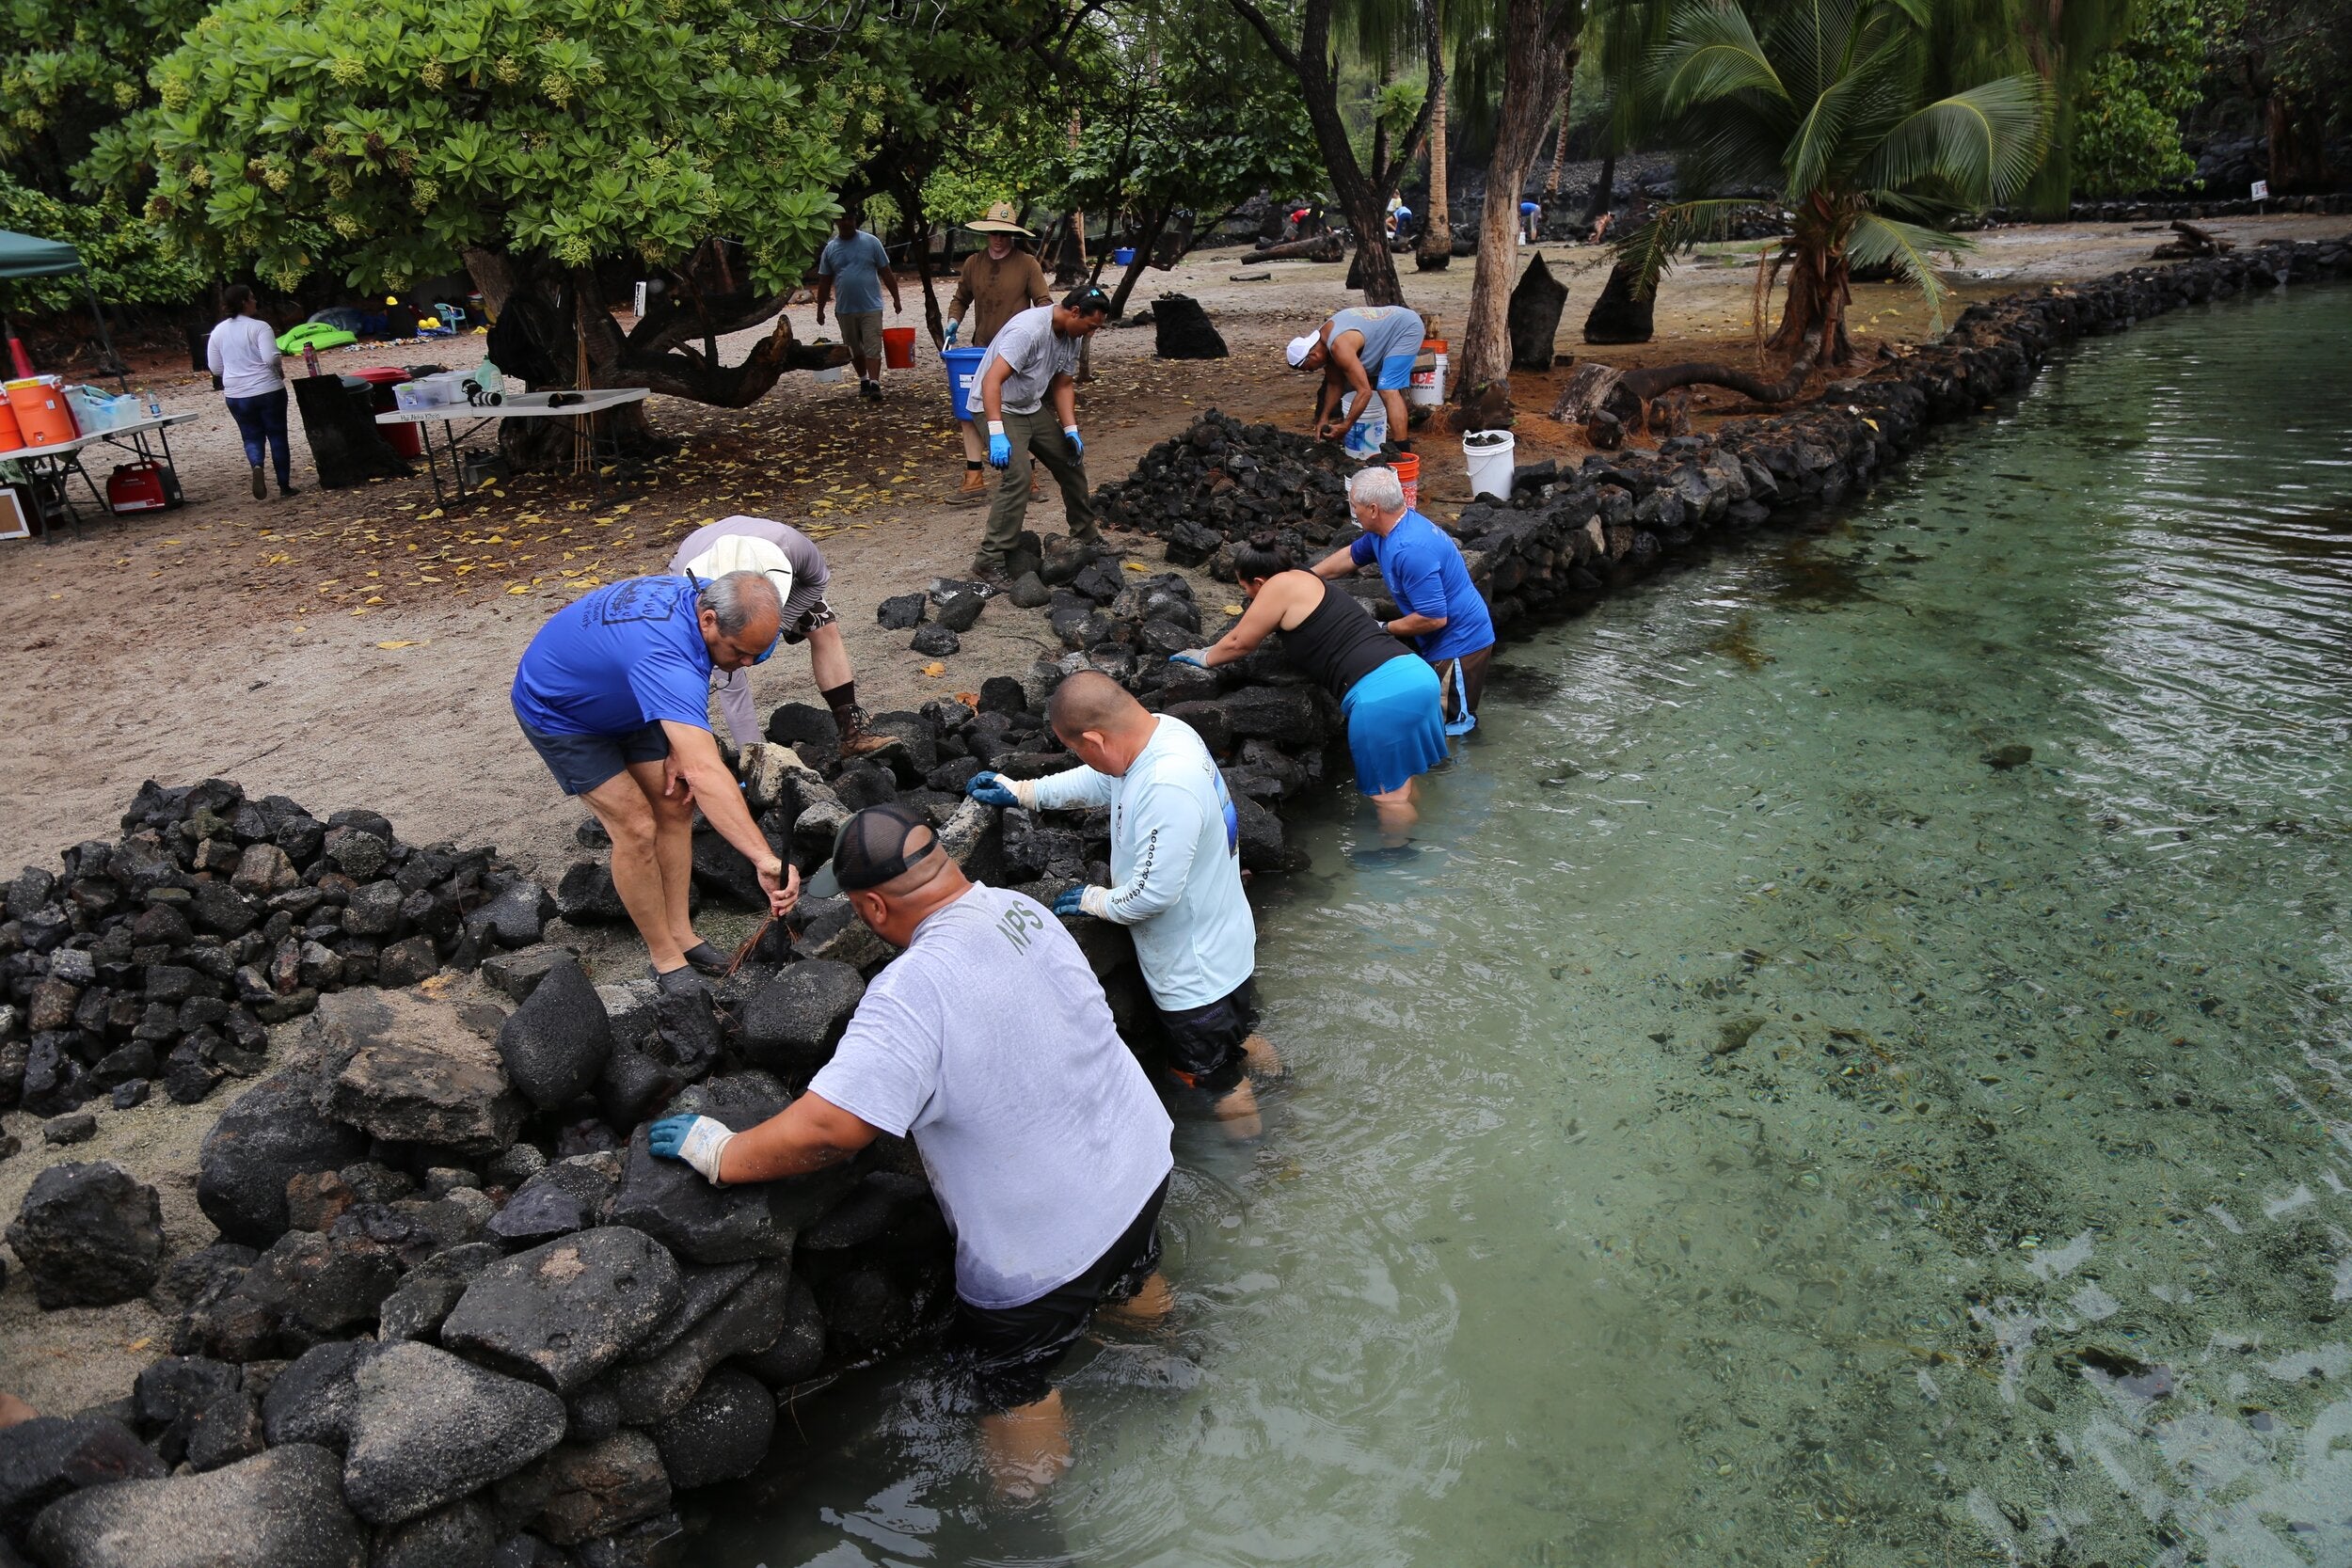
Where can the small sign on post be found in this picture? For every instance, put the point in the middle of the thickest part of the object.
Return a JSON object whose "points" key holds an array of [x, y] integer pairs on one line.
{"points": [[2261, 190]]}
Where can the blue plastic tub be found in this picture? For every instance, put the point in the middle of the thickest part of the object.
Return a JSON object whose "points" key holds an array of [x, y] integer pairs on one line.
{"points": [[1124, 256], [961, 364]]}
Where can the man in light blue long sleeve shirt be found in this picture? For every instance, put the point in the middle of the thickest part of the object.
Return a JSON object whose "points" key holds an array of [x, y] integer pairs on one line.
{"points": [[1175, 875]]}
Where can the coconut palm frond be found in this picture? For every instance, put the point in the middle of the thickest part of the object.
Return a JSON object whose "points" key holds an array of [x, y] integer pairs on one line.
{"points": [[1881, 241], [1712, 54], [1650, 250], [1985, 143]]}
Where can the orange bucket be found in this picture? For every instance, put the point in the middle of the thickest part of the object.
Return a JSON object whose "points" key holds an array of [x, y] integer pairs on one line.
{"points": [[43, 418], [10, 437], [899, 347], [1407, 467]]}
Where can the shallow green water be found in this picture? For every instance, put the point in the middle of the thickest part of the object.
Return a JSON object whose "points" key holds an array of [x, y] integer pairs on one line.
{"points": [[1754, 1128]]}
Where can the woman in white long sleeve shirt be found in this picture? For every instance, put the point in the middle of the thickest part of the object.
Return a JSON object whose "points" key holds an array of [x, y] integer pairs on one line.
{"points": [[243, 355]]}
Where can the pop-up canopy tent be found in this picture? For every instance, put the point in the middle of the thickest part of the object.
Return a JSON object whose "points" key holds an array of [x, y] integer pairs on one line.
{"points": [[27, 256]]}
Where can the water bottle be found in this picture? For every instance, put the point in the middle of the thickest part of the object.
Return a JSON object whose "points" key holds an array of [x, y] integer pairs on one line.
{"points": [[154, 406], [309, 360]]}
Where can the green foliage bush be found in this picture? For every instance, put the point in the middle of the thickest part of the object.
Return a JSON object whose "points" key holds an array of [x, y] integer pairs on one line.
{"points": [[126, 267]]}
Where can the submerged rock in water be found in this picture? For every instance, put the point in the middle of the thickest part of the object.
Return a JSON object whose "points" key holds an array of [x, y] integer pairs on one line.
{"points": [[2003, 758]]}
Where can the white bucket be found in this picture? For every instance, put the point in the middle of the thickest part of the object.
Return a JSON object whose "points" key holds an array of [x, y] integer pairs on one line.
{"points": [[1428, 390], [1488, 454]]}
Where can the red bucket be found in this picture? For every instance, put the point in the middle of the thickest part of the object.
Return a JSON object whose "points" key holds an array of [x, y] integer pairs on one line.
{"points": [[899, 347]]}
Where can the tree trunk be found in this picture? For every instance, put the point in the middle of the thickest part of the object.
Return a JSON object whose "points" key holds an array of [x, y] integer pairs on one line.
{"points": [[1538, 39], [1142, 263], [1363, 194], [1604, 186], [1820, 288], [1435, 246], [2298, 151], [1560, 148]]}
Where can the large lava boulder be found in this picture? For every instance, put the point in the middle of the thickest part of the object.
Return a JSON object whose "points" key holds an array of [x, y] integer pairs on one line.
{"points": [[561, 1313], [88, 1235], [746, 1322], [791, 1024], [283, 1508], [426, 1429], [1182, 330], [407, 1068], [272, 1133], [555, 1044], [1533, 315], [722, 1434], [50, 1456]]}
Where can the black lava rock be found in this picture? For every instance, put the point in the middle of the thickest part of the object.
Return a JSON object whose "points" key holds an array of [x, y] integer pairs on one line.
{"points": [[935, 643], [901, 612], [88, 1235], [426, 1429], [563, 1312], [723, 1433], [555, 1044], [50, 1456], [312, 1400], [284, 1508], [960, 611], [791, 1024], [670, 1201], [565, 1197]]}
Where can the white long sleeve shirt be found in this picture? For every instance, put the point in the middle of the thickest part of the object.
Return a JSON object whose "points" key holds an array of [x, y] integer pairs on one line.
{"points": [[1175, 864], [243, 351]]}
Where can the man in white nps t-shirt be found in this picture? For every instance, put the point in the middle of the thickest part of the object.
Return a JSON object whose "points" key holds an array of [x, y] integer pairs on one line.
{"points": [[1175, 878], [988, 1042]]}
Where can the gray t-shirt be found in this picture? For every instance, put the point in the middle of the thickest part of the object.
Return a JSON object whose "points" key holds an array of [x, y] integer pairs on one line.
{"points": [[1391, 332], [809, 563], [1036, 352], [990, 1043]]}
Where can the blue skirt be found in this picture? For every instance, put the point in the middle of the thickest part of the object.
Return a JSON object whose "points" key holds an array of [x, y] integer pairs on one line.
{"points": [[1395, 725]]}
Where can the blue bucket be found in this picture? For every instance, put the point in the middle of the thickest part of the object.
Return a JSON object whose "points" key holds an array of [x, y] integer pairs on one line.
{"points": [[1124, 256], [961, 363]]}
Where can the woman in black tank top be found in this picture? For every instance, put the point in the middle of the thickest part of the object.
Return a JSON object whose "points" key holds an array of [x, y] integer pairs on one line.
{"points": [[1395, 736]]}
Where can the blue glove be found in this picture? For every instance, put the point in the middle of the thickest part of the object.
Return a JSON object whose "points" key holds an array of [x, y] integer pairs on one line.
{"points": [[990, 790], [1070, 433], [999, 451], [700, 1141], [951, 334], [1196, 658], [1071, 902]]}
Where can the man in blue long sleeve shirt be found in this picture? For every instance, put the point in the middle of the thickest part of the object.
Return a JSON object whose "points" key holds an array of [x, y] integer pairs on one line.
{"points": [[1441, 613], [1175, 875]]}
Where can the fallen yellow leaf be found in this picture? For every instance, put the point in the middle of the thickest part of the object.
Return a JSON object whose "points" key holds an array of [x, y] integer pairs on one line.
{"points": [[934, 669], [1134, 566], [398, 643], [520, 588], [1230, 608]]}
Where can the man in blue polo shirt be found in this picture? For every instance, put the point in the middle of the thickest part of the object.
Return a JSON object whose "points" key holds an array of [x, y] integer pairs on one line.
{"points": [[615, 695], [1440, 612]]}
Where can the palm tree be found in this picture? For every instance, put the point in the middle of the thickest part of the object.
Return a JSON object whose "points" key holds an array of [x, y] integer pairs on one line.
{"points": [[1828, 110]]}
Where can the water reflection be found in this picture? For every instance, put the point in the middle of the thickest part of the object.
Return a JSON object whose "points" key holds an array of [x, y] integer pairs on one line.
{"points": [[1757, 1124]]}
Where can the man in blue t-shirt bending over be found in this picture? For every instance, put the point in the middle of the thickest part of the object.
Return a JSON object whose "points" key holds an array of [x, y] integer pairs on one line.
{"points": [[1441, 613], [615, 695]]}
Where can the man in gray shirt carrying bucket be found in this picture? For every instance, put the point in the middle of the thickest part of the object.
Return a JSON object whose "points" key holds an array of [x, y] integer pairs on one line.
{"points": [[1028, 385], [988, 1042]]}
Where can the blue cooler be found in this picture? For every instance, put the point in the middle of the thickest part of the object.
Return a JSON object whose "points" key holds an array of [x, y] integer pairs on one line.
{"points": [[963, 364]]}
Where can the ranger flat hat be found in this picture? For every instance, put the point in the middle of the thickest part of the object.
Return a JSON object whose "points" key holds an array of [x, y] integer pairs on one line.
{"points": [[1001, 218]]}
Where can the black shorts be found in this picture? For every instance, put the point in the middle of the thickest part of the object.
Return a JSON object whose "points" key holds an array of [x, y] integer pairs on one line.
{"points": [[1010, 1352], [582, 762], [805, 610], [1204, 1044]]}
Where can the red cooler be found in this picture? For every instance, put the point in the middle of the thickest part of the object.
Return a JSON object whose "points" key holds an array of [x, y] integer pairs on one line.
{"points": [[404, 438]]}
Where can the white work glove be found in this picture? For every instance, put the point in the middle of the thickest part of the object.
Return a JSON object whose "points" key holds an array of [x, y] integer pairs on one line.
{"points": [[700, 1141]]}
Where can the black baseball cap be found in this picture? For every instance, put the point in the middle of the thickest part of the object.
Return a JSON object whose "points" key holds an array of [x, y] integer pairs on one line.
{"points": [[872, 847]]}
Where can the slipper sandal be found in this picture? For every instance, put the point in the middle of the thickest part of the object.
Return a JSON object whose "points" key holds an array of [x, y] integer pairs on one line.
{"points": [[684, 979], [707, 958]]}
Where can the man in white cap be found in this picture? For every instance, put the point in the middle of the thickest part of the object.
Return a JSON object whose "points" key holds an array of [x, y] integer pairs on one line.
{"points": [[791, 560], [1000, 282], [1368, 350]]}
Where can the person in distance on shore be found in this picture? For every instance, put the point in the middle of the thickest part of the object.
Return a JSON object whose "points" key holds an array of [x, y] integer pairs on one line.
{"points": [[615, 695], [988, 1042], [856, 266], [999, 283], [1176, 875], [1368, 350], [792, 562], [1395, 730], [1027, 387], [1443, 616]]}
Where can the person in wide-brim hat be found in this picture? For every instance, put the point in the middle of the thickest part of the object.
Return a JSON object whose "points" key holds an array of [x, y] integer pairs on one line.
{"points": [[1002, 281], [1002, 217]]}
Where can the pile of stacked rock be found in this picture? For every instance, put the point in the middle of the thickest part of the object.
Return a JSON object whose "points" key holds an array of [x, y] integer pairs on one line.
{"points": [[1222, 481], [166, 953]]}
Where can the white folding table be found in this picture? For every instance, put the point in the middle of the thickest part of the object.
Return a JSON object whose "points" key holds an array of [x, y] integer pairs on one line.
{"points": [[53, 467], [517, 405]]}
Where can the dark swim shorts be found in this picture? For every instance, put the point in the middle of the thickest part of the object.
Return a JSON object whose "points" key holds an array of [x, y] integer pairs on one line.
{"points": [[1010, 1352], [1204, 1044], [582, 762]]}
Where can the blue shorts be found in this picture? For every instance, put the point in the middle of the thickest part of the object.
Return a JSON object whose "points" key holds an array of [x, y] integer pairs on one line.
{"points": [[1395, 725], [1396, 372], [582, 762]]}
